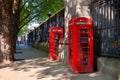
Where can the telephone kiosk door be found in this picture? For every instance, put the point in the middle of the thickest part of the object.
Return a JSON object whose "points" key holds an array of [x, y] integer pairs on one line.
{"points": [[80, 45], [55, 35]]}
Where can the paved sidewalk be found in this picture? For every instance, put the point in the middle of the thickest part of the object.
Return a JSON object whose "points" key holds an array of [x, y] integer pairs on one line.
{"points": [[28, 52], [35, 65]]}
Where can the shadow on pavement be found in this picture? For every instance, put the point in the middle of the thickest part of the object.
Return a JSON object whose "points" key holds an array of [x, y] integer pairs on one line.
{"points": [[42, 68]]}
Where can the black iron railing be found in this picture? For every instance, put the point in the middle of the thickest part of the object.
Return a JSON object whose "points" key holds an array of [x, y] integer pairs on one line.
{"points": [[106, 19], [40, 34]]}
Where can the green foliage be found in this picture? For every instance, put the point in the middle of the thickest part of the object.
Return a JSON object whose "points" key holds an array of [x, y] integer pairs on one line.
{"points": [[23, 29], [50, 6], [37, 11]]}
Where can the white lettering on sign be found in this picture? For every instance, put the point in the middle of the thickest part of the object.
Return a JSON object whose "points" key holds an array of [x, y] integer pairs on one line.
{"points": [[57, 30], [83, 22]]}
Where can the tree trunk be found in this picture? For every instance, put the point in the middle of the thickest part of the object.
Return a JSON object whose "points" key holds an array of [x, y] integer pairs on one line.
{"points": [[6, 49], [0, 49], [0, 28], [14, 43], [7, 33]]}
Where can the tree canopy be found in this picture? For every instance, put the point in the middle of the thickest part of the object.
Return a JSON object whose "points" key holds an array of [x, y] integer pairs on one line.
{"points": [[37, 11]]}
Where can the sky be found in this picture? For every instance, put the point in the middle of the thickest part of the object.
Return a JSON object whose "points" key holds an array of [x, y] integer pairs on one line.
{"points": [[31, 26]]}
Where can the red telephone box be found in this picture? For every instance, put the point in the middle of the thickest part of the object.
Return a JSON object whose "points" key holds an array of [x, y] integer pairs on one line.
{"points": [[55, 35], [80, 45]]}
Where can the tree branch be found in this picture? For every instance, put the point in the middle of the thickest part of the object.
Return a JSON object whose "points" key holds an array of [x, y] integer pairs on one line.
{"points": [[28, 21], [23, 5], [29, 13]]}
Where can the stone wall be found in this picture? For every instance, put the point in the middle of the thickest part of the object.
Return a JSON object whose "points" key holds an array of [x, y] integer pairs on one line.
{"points": [[41, 45], [110, 67]]}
